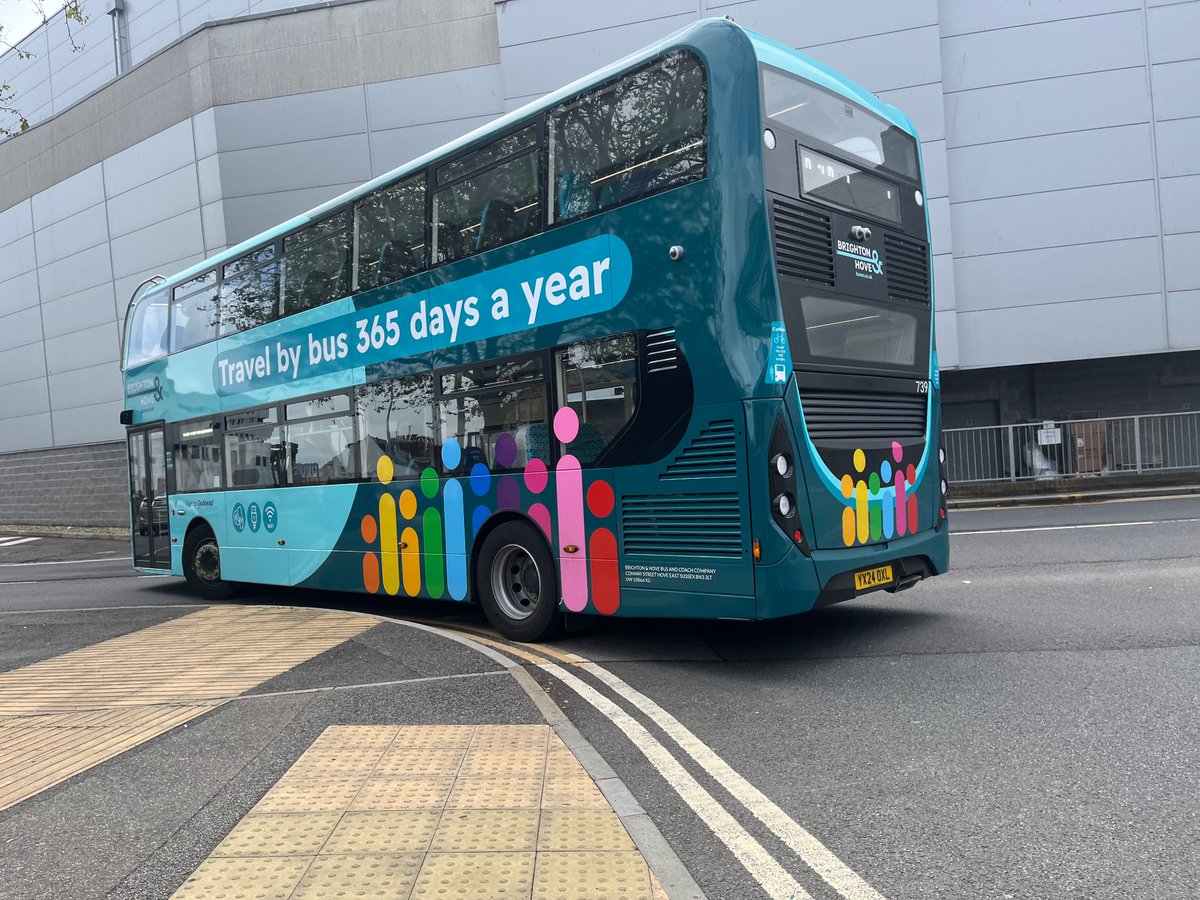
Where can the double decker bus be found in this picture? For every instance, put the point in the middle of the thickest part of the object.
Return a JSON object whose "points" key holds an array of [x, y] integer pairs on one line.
{"points": [[658, 344]]}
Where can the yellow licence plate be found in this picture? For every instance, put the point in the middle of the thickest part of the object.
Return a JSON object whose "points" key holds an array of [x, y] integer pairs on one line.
{"points": [[872, 578]]}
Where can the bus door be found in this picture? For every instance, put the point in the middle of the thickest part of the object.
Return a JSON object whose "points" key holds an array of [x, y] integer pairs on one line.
{"points": [[149, 512]]}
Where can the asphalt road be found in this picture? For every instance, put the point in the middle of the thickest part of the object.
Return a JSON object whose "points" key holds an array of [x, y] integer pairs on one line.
{"points": [[1026, 726]]}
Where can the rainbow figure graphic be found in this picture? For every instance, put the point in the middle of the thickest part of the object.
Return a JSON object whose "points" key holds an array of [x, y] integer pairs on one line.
{"points": [[568, 480], [881, 505], [602, 551], [404, 524], [455, 523]]}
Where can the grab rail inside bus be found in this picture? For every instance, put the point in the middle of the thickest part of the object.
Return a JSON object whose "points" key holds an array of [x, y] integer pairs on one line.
{"points": [[153, 279]]}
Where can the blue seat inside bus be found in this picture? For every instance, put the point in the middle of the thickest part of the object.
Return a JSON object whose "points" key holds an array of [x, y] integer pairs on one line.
{"points": [[535, 437], [576, 196]]}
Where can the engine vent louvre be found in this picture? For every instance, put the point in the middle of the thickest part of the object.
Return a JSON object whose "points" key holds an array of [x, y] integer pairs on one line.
{"points": [[803, 242], [855, 415], [682, 525], [662, 353], [712, 454], [908, 269]]}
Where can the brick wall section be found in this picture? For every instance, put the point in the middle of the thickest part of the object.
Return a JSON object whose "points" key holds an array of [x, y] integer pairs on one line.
{"points": [[87, 485]]}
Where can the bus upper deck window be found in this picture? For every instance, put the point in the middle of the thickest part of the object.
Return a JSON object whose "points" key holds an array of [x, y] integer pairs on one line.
{"points": [[641, 134], [316, 264], [250, 291], [390, 230], [194, 312]]}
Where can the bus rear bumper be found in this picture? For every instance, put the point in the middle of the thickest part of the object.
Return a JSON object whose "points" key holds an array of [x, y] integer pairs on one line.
{"points": [[912, 559]]}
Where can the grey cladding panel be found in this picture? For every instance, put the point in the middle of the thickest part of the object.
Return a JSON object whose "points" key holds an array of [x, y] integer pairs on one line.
{"points": [[1050, 50], [886, 62], [1177, 143], [1059, 274], [287, 120], [391, 149], [1080, 216], [15, 222], [1176, 89], [67, 197], [86, 387], [779, 19], [958, 17], [537, 20], [82, 349], [1182, 253], [18, 293], [21, 328], [156, 156], [95, 422], [164, 241], [64, 239], [25, 432], [535, 69], [1074, 159], [1001, 113], [22, 363], [24, 398], [294, 166], [85, 269], [158, 200], [79, 311], [1172, 32], [17, 258], [1181, 204], [1183, 319], [1035, 334], [444, 96]]}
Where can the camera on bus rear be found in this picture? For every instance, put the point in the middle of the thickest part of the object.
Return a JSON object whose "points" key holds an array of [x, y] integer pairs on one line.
{"points": [[860, 233]]}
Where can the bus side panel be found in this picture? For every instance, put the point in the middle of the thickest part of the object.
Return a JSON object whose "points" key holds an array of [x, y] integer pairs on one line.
{"points": [[312, 522], [250, 549], [685, 542]]}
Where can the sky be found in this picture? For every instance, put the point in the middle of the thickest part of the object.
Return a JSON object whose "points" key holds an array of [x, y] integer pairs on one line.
{"points": [[19, 17]]}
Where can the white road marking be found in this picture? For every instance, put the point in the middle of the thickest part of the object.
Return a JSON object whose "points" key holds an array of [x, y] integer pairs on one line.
{"points": [[775, 880], [815, 855], [1074, 527], [12, 542], [67, 562]]}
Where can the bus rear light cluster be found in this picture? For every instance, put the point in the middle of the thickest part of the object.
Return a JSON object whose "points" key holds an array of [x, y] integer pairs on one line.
{"points": [[942, 483], [781, 474]]}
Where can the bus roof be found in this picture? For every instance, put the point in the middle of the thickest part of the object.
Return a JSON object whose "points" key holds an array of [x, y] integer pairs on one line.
{"points": [[766, 50]]}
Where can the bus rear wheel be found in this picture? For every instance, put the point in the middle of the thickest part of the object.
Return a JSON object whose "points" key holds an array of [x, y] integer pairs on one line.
{"points": [[202, 566], [518, 583]]}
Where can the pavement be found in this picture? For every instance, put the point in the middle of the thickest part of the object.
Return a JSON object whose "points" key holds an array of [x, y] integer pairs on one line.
{"points": [[173, 749]]}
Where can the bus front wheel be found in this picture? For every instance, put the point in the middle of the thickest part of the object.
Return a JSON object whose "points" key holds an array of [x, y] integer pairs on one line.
{"points": [[518, 583], [202, 566]]}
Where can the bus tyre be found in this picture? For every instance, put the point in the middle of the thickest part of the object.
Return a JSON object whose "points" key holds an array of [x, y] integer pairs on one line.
{"points": [[202, 566], [518, 583]]}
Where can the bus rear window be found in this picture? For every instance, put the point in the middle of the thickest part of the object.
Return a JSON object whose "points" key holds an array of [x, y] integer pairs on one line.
{"points": [[847, 332], [810, 110]]}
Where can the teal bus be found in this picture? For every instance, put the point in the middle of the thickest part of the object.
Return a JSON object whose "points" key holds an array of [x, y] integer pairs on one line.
{"points": [[658, 344]]}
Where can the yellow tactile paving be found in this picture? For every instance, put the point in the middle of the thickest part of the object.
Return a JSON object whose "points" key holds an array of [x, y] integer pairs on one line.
{"points": [[212, 654], [433, 811], [61, 716]]}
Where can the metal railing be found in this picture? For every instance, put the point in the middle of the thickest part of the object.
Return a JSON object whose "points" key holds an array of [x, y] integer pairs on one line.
{"points": [[1084, 447]]}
